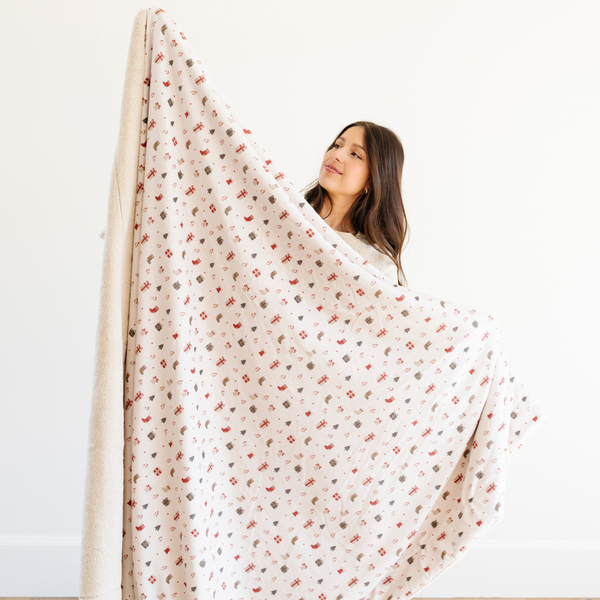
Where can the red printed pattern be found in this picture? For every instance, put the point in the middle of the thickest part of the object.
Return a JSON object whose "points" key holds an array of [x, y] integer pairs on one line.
{"points": [[297, 426]]}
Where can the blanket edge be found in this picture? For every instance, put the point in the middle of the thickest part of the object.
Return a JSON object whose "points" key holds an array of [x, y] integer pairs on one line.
{"points": [[101, 547]]}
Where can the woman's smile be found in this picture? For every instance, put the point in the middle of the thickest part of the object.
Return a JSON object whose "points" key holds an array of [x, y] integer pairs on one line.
{"points": [[332, 169]]}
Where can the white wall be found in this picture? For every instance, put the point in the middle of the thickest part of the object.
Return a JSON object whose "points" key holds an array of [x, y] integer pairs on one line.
{"points": [[497, 104]]}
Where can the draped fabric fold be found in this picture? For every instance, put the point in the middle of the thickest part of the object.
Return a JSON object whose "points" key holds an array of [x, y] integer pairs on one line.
{"points": [[296, 425]]}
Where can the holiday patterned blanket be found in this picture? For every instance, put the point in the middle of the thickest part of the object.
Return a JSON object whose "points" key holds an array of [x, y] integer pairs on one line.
{"points": [[296, 425]]}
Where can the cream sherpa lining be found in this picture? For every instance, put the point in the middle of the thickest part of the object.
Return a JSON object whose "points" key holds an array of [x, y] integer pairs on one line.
{"points": [[103, 508]]}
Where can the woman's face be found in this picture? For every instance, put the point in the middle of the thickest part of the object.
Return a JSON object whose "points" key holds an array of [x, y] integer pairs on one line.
{"points": [[344, 170]]}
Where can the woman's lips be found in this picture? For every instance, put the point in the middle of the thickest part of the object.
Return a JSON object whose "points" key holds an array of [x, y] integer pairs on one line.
{"points": [[330, 169]]}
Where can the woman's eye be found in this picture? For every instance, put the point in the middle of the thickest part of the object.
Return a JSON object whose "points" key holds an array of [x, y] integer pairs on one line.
{"points": [[336, 145]]}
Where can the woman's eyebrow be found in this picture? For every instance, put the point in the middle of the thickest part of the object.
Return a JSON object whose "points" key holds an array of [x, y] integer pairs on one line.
{"points": [[357, 145]]}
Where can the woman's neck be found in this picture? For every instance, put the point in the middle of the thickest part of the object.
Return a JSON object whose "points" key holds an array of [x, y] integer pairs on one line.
{"points": [[335, 218]]}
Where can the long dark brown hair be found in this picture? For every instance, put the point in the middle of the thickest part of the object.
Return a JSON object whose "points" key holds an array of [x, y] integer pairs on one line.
{"points": [[378, 214]]}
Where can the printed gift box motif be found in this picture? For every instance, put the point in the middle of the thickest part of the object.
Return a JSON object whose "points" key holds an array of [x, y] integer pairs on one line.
{"points": [[296, 425]]}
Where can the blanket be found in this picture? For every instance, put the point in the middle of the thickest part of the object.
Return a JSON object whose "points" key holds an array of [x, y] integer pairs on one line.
{"points": [[272, 417]]}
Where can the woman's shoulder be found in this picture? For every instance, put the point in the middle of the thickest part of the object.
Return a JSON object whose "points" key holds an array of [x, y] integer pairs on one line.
{"points": [[358, 240], [382, 262], [353, 236]]}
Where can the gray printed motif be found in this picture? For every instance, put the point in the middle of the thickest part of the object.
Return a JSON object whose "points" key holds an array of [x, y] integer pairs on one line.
{"points": [[296, 425]]}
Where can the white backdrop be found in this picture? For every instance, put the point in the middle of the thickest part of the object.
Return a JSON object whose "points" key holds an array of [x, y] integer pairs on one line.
{"points": [[497, 105]]}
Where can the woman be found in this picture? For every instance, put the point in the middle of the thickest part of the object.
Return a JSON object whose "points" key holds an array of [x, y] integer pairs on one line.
{"points": [[358, 194]]}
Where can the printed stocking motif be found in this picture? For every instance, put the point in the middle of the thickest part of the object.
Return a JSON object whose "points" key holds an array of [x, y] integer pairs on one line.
{"points": [[296, 425]]}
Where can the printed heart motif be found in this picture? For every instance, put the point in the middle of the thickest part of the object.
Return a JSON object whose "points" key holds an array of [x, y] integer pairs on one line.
{"points": [[280, 324]]}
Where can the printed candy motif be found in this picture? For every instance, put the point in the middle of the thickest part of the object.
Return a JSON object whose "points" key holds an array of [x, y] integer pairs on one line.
{"points": [[296, 425]]}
